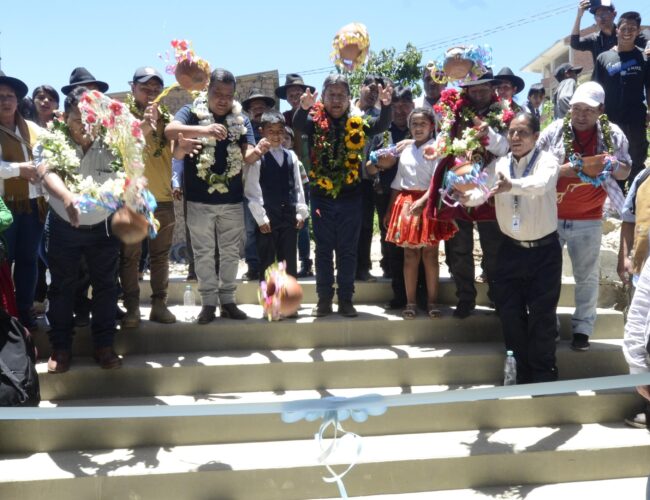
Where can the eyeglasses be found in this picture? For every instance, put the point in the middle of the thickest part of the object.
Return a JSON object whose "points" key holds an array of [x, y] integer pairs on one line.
{"points": [[523, 133]]}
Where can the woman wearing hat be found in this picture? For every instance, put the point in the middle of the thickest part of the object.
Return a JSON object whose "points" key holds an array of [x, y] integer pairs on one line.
{"points": [[24, 199]]}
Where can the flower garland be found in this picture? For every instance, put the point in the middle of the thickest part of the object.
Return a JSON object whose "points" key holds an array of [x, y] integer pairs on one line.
{"points": [[455, 109], [326, 157], [159, 139], [108, 120], [235, 124], [576, 158]]}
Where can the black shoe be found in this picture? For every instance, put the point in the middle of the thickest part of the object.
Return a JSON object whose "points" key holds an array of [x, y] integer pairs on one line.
{"points": [[251, 275], [347, 309], [365, 276], [305, 272], [232, 311], [206, 315], [395, 304], [323, 308], [580, 342], [463, 310], [638, 421]]}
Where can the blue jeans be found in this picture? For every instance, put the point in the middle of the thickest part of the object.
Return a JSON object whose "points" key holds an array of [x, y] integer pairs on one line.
{"points": [[24, 239], [303, 238], [337, 223], [65, 247], [250, 247], [583, 238]]}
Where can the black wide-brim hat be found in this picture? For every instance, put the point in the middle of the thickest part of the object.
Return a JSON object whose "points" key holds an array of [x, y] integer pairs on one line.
{"points": [[18, 85], [257, 94], [507, 75], [81, 76], [292, 79], [487, 77]]}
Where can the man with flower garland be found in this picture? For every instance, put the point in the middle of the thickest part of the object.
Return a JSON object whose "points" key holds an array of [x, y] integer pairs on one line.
{"points": [[336, 142], [585, 131], [71, 236], [147, 84], [214, 187], [474, 123]]}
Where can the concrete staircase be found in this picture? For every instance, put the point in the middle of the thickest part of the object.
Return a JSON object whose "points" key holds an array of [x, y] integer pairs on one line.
{"points": [[553, 446]]}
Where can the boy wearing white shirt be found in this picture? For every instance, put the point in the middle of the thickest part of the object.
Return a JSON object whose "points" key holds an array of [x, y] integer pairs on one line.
{"points": [[276, 198], [529, 262]]}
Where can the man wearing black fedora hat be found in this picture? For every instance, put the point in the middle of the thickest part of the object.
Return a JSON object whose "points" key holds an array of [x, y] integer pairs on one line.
{"points": [[81, 76], [255, 105], [567, 76], [293, 88], [508, 85], [24, 199], [459, 249]]}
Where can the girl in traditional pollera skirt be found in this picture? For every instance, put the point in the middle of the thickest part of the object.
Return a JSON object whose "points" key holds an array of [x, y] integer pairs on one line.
{"points": [[407, 226]]}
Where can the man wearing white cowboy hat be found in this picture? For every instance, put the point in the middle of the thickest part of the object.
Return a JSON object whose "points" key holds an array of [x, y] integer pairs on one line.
{"points": [[585, 132]]}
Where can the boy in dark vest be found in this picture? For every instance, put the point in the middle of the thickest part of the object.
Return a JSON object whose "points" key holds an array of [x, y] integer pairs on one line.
{"points": [[275, 196]]}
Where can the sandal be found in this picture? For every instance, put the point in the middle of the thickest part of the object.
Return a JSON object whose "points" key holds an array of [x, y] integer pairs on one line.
{"points": [[410, 311], [434, 311]]}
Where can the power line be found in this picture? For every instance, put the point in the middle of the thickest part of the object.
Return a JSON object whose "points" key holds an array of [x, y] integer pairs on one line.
{"points": [[447, 41]]}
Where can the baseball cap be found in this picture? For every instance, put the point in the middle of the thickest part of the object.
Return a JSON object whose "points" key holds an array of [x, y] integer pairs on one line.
{"points": [[146, 73], [589, 93]]}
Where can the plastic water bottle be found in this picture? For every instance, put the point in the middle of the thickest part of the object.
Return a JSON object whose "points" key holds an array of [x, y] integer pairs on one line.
{"points": [[510, 369], [189, 304]]}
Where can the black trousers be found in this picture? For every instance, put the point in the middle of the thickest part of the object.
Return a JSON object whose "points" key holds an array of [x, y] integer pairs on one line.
{"points": [[460, 249], [636, 136], [280, 243], [364, 262], [527, 290]]}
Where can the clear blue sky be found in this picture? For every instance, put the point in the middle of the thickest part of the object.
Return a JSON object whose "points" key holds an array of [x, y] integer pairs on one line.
{"points": [[41, 42]]}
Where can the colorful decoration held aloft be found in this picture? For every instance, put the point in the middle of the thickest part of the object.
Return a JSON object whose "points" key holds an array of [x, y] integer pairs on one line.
{"points": [[109, 120], [191, 71], [351, 45], [461, 64], [280, 294]]}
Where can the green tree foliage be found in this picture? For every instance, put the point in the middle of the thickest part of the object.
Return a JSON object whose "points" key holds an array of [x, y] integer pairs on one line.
{"points": [[403, 68]]}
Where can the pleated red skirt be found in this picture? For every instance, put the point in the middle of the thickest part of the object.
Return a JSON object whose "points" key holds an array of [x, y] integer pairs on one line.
{"points": [[416, 231]]}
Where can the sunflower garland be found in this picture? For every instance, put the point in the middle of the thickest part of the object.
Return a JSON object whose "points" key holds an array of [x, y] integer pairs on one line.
{"points": [[327, 159], [159, 139]]}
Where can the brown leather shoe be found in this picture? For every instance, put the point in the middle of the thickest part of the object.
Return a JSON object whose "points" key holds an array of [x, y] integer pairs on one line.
{"points": [[59, 362], [106, 358]]}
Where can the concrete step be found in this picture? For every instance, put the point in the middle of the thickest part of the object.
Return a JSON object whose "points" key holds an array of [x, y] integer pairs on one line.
{"points": [[375, 326], [312, 368], [130, 431], [285, 470], [634, 488], [378, 292]]}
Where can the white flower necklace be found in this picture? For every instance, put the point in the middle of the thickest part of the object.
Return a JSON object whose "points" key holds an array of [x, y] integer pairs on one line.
{"points": [[235, 124]]}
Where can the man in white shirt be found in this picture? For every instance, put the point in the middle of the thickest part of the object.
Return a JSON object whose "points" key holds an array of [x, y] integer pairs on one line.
{"points": [[529, 262]]}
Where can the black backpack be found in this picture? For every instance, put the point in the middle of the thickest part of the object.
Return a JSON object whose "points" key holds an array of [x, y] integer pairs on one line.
{"points": [[18, 378]]}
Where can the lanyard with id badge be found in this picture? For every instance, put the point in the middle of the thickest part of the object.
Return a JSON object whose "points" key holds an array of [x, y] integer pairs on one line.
{"points": [[516, 216]]}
